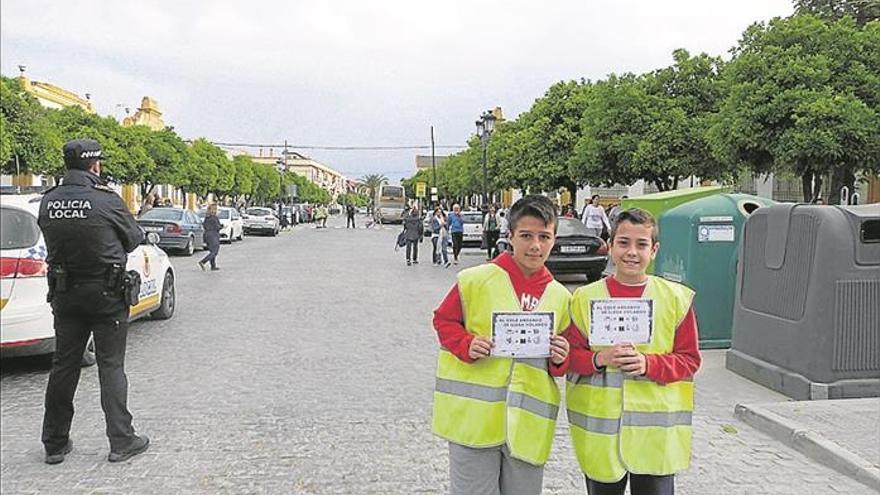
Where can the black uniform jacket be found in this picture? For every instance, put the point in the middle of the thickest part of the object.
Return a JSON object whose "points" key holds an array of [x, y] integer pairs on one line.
{"points": [[86, 225]]}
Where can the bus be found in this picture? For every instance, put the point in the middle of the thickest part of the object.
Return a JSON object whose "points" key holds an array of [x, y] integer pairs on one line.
{"points": [[389, 203]]}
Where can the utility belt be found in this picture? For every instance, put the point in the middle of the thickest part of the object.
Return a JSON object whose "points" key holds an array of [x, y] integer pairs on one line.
{"points": [[115, 278]]}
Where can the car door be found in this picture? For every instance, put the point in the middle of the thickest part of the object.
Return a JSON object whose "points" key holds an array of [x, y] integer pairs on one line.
{"points": [[195, 227], [236, 224]]}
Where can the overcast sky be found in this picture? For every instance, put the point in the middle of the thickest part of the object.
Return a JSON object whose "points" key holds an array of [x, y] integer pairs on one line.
{"points": [[351, 73]]}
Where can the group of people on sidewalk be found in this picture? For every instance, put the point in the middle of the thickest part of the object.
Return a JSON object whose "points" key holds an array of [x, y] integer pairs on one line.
{"points": [[629, 404], [446, 229]]}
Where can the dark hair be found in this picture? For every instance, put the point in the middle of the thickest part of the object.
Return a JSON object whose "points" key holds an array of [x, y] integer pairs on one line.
{"points": [[595, 196], [636, 216], [539, 207]]}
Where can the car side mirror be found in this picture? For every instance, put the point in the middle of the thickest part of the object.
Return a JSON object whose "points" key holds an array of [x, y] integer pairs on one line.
{"points": [[152, 238]]}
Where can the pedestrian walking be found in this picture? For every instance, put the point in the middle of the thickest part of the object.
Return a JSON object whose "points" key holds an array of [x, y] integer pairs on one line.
{"points": [[413, 232], [89, 233], [491, 231], [630, 404], [441, 252], [456, 231], [594, 217], [615, 211], [349, 215], [212, 237], [497, 413], [437, 223]]}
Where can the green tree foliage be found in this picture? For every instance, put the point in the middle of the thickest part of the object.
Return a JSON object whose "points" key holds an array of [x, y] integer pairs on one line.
{"points": [[5, 140], [372, 183], [29, 135], [355, 199], [169, 154], [244, 185], [863, 11], [534, 151], [203, 171], [803, 98]]}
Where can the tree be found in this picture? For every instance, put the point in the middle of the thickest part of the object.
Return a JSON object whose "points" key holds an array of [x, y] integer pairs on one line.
{"points": [[6, 147], [373, 182], [863, 11], [803, 98], [202, 172], [244, 177], [30, 136], [169, 154]]}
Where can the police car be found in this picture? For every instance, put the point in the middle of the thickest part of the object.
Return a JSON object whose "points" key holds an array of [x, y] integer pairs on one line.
{"points": [[26, 325]]}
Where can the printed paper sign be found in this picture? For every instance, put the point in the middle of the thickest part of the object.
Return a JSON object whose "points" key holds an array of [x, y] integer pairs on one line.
{"points": [[618, 320], [716, 233], [522, 335]]}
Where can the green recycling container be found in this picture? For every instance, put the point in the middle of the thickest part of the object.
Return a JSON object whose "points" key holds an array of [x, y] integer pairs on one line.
{"points": [[699, 247], [658, 203]]}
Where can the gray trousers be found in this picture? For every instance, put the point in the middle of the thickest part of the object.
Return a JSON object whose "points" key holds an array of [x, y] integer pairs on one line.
{"points": [[491, 471]]}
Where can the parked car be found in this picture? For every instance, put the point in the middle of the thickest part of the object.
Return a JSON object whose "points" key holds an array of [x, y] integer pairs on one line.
{"points": [[362, 210], [260, 219], [577, 251], [26, 326], [472, 223], [426, 222], [232, 227], [178, 229]]}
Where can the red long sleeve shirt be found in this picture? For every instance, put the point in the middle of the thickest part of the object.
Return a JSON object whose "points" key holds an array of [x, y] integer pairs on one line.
{"points": [[449, 316], [680, 364]]}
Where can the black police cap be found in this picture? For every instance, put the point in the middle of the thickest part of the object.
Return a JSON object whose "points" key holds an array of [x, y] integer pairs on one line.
{"points": [[80, 153]]}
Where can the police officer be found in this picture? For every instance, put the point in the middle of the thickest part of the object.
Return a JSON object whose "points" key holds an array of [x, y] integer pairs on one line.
{"points": [[88, 232]]}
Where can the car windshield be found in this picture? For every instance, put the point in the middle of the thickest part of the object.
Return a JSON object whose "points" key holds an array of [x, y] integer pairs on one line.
{"points": [[472, 217], [258, 212], [18, 229], [162, 214], [222, 214], [571, 227]]}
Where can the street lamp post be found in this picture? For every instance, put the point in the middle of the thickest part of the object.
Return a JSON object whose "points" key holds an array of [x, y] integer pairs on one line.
{"points": [[485, 126]]}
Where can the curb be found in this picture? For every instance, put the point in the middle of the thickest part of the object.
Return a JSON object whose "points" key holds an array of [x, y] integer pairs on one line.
{"points": [[809, 443]]}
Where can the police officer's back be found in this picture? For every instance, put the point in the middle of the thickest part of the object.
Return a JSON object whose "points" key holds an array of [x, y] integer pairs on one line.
{"points": [[89, 233]]}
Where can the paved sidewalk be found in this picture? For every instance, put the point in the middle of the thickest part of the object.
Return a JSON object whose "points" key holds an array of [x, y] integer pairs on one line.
{"points": [[843, 434]]}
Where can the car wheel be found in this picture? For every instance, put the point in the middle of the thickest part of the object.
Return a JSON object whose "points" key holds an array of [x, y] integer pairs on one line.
{"points": [[190, 247], [168, 301], [88, 358]]}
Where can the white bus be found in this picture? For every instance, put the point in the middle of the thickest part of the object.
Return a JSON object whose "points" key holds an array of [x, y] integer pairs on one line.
{"points": [[388, 204]]}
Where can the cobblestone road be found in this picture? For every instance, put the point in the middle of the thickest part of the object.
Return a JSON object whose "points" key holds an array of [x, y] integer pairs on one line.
{"points": [[306, 366]]}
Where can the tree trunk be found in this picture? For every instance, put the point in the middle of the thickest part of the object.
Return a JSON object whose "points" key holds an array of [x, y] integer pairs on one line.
{"points": [[807, 186], [840, 177], [675, 182]]}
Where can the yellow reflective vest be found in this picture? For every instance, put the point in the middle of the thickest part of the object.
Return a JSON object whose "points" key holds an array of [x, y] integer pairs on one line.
{"points": [[622, 424], [499, 400]]}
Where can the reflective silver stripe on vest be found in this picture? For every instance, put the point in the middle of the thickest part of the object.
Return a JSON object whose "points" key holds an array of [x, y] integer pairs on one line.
{"points": [[540, 363], [593, 424], [532, 405], [663, 419], [612, 379], [471, 390]]}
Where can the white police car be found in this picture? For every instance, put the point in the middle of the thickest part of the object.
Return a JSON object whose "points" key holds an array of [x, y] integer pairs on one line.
{"points": [[26, 326]]}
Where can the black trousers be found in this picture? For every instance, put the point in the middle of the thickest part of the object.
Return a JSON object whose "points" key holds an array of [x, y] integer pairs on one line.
{"points": [[457, 238], [350, 223], [639, 484], [435, 256], [87, 308], [491, 239], [213, 251], [412, 250]]}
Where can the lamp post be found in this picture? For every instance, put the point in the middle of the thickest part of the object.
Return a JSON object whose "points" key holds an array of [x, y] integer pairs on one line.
{"points": [[485, 126]]}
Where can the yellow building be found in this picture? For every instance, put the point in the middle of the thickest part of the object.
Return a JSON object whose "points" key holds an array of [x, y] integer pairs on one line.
{"points": [[148, 114]]}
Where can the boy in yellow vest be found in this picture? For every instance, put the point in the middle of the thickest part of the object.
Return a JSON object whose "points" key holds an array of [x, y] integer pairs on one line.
{"points": [[499, 413], [630, 398]]}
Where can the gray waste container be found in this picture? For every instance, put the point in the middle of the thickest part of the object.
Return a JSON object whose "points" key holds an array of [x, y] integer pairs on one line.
{"points": [[807, 313]]}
